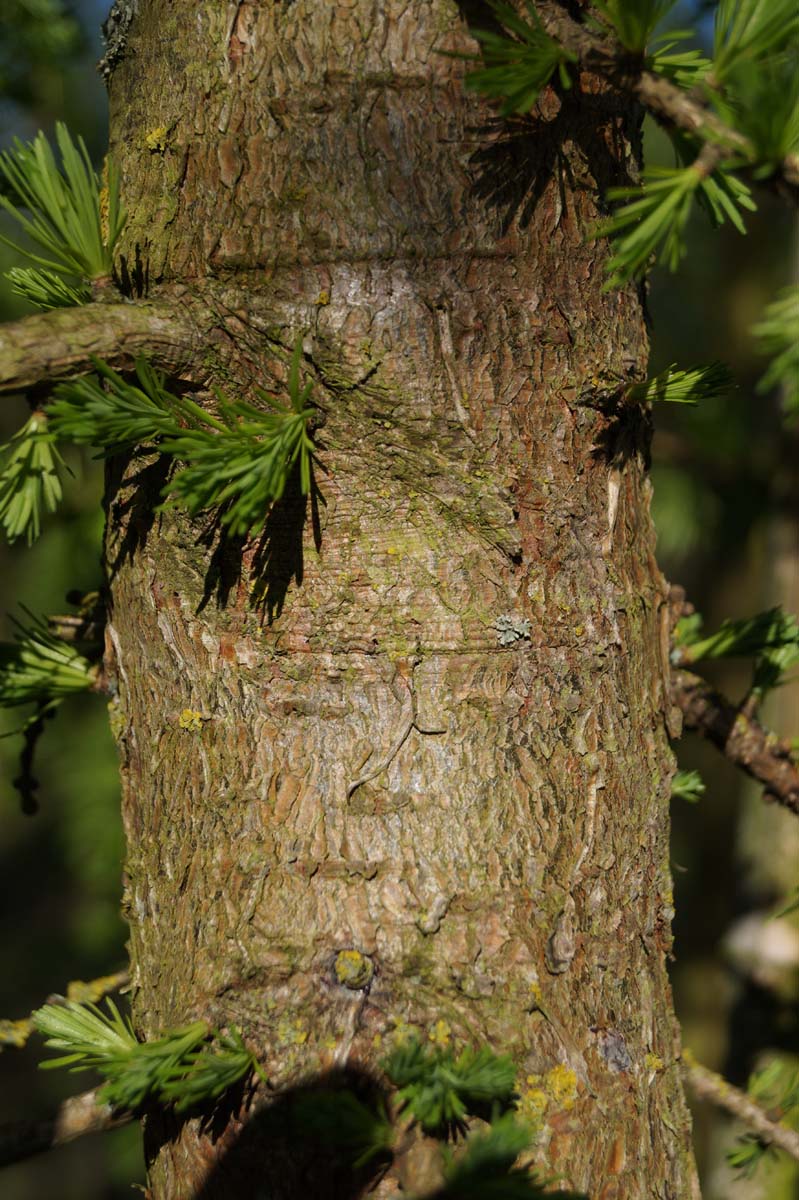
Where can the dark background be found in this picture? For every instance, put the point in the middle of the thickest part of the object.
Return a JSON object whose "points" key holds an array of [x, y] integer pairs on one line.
{"points": [[725, 504]]}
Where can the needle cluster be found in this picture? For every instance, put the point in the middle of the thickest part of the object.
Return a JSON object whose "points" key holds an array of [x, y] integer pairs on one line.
{"points": [[182, 1067], [771, 638], [71, 216], [29, 480], [40, 668], [747, 95], [237, 462], [440, 1089]]}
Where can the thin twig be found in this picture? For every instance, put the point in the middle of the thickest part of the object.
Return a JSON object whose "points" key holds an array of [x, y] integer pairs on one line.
{"points": [[74, 1118], [707, 1085], [744, 741]]}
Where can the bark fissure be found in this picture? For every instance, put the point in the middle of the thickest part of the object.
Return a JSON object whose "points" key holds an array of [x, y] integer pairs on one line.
{"points": [[372, 770]]}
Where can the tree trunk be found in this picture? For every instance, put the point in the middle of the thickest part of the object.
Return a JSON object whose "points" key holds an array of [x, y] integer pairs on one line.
{"points": [[424, 716]]}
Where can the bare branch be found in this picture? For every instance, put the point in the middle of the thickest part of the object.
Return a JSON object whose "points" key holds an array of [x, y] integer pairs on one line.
{"points": [[59, 343], [715, 1088], [669, 103], [77, 1116], [740, 738]]}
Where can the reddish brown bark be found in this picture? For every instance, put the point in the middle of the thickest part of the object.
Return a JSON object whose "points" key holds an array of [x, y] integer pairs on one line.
{"points": [[370, 768]]}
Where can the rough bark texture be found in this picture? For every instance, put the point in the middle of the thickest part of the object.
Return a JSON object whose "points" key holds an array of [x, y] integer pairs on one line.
{"points": [[60, 344], [368, 767]]}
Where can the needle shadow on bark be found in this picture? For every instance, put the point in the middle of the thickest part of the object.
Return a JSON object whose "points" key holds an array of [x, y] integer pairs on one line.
{"points": [[224, 566], [514, 169], [277, 561], [133, 279], [478, 15], [523, 154], [131, 504], [278, 558], [626, 436]]}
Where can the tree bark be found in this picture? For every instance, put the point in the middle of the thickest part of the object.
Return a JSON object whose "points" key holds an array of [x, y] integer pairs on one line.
{"points": [[369, 766]]}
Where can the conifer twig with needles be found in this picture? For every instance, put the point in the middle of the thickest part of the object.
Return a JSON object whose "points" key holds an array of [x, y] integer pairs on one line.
{"points": [[708, 1085]]}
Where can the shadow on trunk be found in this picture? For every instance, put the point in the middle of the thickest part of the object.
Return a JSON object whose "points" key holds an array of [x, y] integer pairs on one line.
{"points": [[310, 1141]]}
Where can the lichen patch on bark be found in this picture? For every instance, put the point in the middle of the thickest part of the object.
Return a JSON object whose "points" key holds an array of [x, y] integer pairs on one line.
{"points": [[373, 772]]}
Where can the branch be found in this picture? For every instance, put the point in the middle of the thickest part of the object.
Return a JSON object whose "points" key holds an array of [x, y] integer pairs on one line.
{"points": [[669, 103], [56, 344], [740, 738], [16, 1033], [77, 1116], [709, 1086]]}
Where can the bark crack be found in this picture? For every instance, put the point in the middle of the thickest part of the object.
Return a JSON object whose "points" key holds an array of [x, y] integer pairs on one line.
{"points": [[407, 721]]}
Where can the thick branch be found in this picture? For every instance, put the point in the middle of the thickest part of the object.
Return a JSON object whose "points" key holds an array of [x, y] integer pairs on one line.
{"points": [[56, 344], [740, 738], [660, 96], [710, 1086], [77, 1116]]}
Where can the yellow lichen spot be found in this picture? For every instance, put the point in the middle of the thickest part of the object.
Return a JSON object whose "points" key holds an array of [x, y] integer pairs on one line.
{"points": [[537, 996], [440, 1034], [15, 1033], [155, 140], [392, 550], [653, 1062], [95, 989], [322, 299], [402, 1031], [532, 1105], [191, 719], [330, 1042], [292, 1033], [561, 1085], [116, 718], [353, 969], [377, 1041]]}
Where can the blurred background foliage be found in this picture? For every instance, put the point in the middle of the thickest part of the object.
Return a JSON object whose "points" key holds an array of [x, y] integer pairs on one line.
{"points": [[726, 501], [60, 870]]}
